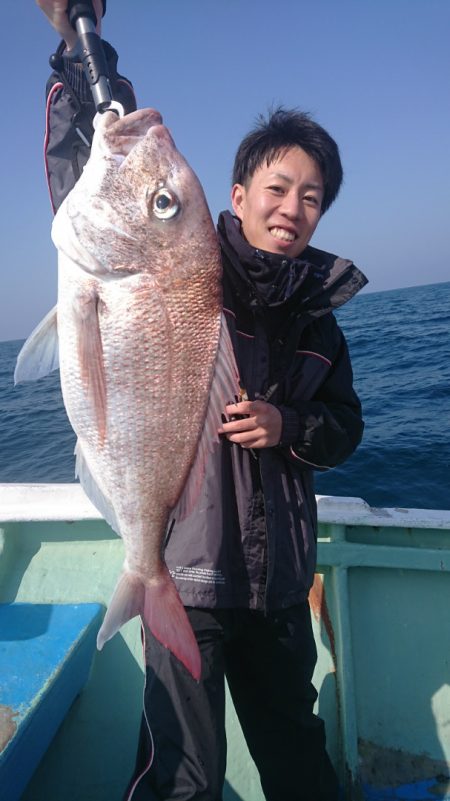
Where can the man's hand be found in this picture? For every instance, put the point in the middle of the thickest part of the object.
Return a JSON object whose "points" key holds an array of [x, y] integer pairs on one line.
{"points": [[260, 428], [56, 11]]}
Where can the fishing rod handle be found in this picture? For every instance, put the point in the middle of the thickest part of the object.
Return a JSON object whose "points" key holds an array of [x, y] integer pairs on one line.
{"points": [[83, 19], [81, 8]]}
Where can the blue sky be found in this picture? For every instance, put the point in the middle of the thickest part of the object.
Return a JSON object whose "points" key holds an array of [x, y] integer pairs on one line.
{"points": [[375, 73]]}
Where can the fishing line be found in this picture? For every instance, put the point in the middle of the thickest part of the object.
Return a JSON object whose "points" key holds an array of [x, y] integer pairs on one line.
{"points": [[152, 748]]}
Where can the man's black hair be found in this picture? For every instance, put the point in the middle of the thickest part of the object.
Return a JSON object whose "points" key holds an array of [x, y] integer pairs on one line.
{"points": [[281, 130]]}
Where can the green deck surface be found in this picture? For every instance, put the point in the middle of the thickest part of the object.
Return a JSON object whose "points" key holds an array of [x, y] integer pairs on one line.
{"points": [[382, 626]]}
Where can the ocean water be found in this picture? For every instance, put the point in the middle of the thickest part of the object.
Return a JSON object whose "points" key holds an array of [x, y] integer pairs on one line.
{"points": [[399, 342]]}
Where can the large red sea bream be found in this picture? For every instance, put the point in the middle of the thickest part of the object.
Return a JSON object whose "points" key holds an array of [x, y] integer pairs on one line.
{"points": [[145, 358]]}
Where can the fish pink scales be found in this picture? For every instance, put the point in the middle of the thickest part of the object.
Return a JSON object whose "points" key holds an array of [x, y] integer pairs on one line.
{"points": [[145, 357]]}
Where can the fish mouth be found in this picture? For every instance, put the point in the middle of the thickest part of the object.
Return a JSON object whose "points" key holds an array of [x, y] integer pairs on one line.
{"points": [[122, 134], [139, 122]]}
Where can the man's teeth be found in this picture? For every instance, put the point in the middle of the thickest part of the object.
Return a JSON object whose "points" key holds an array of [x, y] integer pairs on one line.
{"points": [[280, 233]]}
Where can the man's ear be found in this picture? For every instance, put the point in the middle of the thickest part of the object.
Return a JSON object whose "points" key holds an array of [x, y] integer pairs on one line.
{"points": [[238, 200]]}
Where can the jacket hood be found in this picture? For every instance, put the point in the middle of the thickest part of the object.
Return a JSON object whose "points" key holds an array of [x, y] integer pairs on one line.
{"points": [[315, 283]]}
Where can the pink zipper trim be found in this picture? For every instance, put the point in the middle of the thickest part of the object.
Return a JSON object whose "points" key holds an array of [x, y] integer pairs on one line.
{"points": [[311, 464], [317, 355], [52, 91]]}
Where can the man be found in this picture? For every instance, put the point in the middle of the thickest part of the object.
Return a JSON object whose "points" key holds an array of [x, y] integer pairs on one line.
{"points": [[244, 561]]}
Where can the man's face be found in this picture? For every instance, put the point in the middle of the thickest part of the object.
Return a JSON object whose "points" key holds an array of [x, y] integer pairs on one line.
{"points": [[280, 207]]}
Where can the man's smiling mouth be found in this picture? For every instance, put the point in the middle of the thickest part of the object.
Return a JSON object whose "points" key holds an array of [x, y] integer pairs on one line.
{"points": [[281, 233]]}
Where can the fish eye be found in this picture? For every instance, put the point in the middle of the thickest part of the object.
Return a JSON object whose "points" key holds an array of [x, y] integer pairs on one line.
{"points": [[164, 204]]}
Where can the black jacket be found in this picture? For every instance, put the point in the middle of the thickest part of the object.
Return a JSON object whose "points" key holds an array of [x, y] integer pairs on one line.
{"points": [[251, 541]]}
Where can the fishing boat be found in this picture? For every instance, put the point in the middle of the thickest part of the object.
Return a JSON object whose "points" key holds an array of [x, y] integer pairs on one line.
{"points": [[69, 715]]}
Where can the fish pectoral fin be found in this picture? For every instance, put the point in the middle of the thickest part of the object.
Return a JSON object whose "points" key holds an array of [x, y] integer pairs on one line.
{"points": [[90, 356], [96, 495], [224, 388], [39, 355], [160, 606]]}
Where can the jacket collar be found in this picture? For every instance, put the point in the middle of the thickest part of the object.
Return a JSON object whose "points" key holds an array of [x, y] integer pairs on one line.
{"points": [[313, 284]]}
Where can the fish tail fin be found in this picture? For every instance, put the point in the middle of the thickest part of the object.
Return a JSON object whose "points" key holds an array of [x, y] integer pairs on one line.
{"points": [[160, 606], [127, 602], [166, 617]]}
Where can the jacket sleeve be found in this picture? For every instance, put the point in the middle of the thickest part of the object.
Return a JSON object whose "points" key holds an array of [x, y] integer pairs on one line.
{"points": [[69, 115], [323, 432]]}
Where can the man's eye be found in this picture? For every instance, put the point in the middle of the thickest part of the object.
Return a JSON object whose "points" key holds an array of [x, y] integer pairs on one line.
{"points": [[277, 189], [312, 199]]}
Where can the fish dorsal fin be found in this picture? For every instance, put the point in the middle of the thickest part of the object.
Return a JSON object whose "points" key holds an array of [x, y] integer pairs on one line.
{"points": [[224, 388], [92, 489], [40, 353]]}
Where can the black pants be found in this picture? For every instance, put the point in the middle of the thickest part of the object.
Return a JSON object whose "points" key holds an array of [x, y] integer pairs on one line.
{"points": [[269, 663]]}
